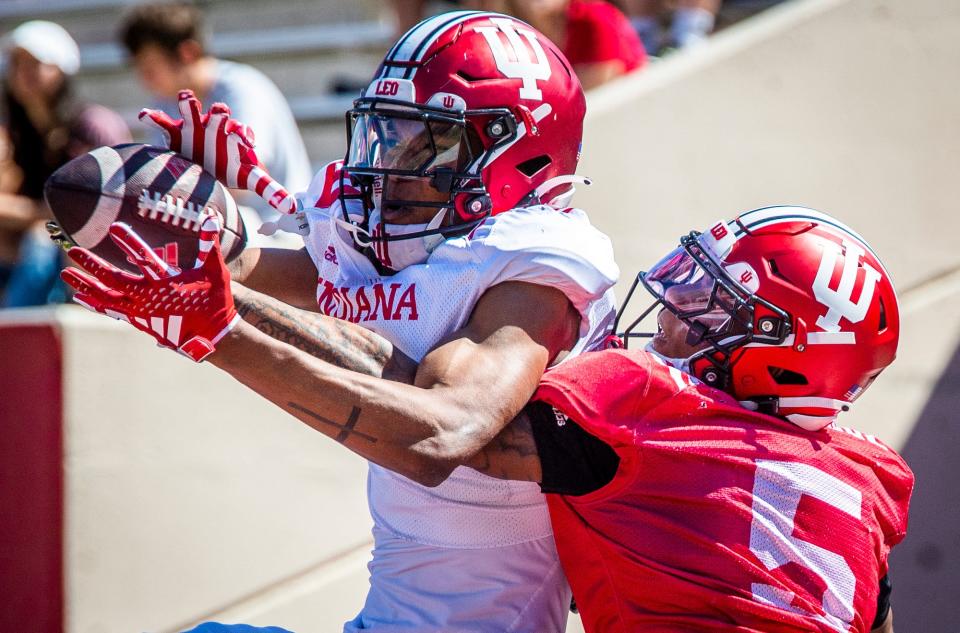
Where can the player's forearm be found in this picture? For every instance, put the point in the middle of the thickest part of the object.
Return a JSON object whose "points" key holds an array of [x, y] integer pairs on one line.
{"points": [[467, 389], [335, 341], [512, 454], [416, 432]]}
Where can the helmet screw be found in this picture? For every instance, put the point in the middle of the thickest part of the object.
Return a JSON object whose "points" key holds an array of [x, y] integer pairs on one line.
{"points": [[710, 377], [801, 347], [476, 206], [766, 326], [496, 129]]}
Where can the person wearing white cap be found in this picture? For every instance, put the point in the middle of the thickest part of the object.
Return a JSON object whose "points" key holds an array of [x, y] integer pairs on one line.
{"points": [[49, 43], [47, 126]]}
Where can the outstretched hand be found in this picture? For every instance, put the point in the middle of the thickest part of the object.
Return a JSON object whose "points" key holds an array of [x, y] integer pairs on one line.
{"points": [[222, 145], [186, 310]]}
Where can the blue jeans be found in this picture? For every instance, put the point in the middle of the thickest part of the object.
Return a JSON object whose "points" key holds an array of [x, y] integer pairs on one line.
{"points": [[35, 278], [216, 627]]}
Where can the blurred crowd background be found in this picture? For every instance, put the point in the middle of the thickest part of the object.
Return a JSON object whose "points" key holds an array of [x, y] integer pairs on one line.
{"points": [[76, 72]]}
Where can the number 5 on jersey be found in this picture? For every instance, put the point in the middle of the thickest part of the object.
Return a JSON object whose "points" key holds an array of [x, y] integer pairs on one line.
{"points": [[777, 489]]}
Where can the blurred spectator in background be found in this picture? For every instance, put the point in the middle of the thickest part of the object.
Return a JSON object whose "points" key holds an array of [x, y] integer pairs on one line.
{"points": [[47, 125], [691, 21], [167, 42], [406, 14], [10, 179], [596, 37]]}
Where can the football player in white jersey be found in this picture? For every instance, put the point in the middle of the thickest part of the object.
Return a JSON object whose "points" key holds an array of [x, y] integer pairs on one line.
{"points": [[446, 230]]}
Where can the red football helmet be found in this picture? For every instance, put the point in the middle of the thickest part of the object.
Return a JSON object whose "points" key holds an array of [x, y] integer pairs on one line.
{"points": [[797, 312], [481, 106]]}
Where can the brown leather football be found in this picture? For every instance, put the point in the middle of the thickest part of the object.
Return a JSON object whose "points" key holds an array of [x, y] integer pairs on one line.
{"points": [[159, 193]]}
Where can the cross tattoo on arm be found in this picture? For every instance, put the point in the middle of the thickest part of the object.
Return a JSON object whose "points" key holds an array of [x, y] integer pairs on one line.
{"points": [[346, 430]]}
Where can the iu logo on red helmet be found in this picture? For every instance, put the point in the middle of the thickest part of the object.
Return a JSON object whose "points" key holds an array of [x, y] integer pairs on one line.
{"points": [[785, 307], [839, 301], [517, 64], [478, 107]]}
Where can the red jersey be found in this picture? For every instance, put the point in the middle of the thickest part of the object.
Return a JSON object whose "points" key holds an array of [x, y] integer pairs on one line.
{"points": [[598, 32], [719, 518]]}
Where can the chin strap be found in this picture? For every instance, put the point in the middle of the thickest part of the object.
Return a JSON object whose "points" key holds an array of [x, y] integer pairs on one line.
{"points": [[291, 223], [563, 200], [399, 252], [360, 235], [772, 405]]}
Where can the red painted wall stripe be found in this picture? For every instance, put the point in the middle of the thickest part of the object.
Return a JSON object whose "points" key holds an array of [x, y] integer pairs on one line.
{"points": [[31, 480]]}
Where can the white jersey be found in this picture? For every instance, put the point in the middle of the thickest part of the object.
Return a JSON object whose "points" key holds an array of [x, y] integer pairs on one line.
{"points": [[474, 553]]}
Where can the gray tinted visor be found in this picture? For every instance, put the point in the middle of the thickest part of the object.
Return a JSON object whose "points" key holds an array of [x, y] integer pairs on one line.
{"points": [[688, 290], [412, 144]]}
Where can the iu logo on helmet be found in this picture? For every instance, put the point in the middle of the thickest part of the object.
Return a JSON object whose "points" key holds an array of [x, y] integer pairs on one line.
{"points": [[518, 65], [840, 302]]}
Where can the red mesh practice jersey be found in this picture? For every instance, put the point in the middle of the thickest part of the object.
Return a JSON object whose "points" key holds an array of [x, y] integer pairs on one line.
{"points": [[719, 518]]}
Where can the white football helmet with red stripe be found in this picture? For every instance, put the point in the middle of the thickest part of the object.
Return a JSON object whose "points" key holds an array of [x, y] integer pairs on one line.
{"points": [[479, 105], [788, 309]]}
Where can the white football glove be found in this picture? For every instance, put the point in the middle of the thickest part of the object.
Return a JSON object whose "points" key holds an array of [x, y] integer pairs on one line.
{"points": [[222, 145]]}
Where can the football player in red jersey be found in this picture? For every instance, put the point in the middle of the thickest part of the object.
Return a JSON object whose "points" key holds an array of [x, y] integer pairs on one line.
{"points": [[702, 484]]}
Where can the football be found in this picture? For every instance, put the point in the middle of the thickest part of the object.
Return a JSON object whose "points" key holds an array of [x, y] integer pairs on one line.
{"points": [[159, 193]]}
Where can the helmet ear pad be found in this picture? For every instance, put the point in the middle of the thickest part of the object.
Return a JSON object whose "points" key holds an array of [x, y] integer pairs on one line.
{"points": [[767, 371], [473, 207], [483, 135]]}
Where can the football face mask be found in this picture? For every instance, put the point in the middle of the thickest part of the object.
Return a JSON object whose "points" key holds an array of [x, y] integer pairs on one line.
{"points": [[393, 145], [717, 309], [406, 142]]}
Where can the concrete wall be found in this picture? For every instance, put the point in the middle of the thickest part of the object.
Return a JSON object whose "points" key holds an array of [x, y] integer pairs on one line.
{"points": [[849, 106], [186, 497]]}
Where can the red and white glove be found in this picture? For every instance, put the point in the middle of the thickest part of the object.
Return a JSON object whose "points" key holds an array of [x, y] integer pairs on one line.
{"points": [[189, 310], [223, 145]]}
